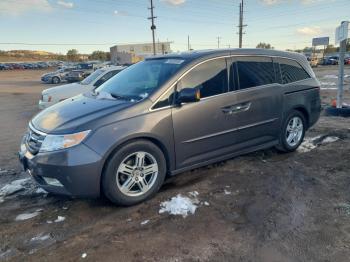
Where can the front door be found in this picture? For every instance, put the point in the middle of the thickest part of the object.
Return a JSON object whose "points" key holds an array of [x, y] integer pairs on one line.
{"points": [[200, 128]]}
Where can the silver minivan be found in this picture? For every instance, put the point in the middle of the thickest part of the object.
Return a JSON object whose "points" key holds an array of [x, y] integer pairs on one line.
{"points": [[169, 114]]}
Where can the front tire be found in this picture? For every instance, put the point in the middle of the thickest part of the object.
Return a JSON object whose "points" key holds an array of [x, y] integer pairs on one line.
{"points": [[293, 132], [134, 173], [56, 80]]}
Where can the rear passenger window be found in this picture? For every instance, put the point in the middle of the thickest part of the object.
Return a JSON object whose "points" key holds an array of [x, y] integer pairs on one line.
{"points": [[210, 77], [255, 71], [292, 71]]}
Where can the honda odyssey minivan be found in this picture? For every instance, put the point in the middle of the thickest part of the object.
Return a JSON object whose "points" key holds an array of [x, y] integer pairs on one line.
{"points": [[169, 114]]}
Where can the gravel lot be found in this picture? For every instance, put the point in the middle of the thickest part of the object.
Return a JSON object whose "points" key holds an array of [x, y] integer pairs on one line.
{"points": [[265, 206]]}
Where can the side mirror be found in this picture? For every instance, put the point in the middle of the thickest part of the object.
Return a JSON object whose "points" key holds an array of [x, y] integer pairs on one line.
{"points": [[188, 95]]}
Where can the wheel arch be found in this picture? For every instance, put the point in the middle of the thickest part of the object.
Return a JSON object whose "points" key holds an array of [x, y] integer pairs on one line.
{"points": [[119, 145], [306, 114]]}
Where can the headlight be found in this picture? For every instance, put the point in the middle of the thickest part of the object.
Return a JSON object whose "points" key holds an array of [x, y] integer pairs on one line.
{"points": [[56, 142], [46, 98]]}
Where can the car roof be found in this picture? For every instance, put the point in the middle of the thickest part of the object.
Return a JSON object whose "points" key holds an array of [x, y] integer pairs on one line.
{"points": [[199, 54], [110, 68]]}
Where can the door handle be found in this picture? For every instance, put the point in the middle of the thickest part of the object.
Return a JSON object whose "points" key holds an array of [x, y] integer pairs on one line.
{"points": [[236, 108]]}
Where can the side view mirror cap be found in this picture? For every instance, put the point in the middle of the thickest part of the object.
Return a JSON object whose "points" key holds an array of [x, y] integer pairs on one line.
{"points": [[188, 95]]}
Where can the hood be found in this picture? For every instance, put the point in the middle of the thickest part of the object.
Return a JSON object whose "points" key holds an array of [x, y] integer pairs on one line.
{"points": [[67, 116], [61, 88]]}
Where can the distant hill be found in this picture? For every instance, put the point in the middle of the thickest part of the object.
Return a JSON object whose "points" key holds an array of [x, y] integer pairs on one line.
{"points": [[28, 55]]}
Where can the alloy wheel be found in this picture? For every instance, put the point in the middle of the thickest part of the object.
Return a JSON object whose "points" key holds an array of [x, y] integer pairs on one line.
{"points": [[137, 173], [294, 131]]}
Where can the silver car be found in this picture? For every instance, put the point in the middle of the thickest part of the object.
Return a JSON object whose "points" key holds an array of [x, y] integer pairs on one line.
{"points": [[169, 114]]}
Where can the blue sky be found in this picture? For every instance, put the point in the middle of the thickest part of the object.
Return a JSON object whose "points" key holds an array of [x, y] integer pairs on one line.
{"points": [[87, 25]]}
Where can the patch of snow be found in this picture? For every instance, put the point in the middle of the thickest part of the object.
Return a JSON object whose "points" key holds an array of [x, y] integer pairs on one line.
{"points": [[330, 76], [193, 193], [49, 221], [330, 139], [60, 219], [7, 172], [327, 84], [206, 203], [40, 190], [306, 146], [179, 205], [26, 216], [14, 187], [84, 255], [145, 222], [310, 143], [40, 237], [104, 95], [227, 192]]}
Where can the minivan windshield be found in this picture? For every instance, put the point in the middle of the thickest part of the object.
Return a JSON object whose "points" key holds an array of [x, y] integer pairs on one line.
{"points": [[140, 80], [92, 77]]}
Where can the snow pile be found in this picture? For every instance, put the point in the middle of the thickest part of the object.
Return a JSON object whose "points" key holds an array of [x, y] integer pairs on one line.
{"points": [[14, 187], [179, 205], [84, 255], [26, 216]]}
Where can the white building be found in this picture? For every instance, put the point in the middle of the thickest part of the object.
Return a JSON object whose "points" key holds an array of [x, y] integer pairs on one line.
{"points": [[132, 53]]}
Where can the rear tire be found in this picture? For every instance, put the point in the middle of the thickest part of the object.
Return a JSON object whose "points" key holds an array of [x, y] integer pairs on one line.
{"points": [[293, 132], [134, 173]]}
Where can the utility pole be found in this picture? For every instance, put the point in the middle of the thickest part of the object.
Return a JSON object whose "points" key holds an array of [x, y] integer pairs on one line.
{"points": [[153, 27], [218, 41], [188, 43], [240, 22]]}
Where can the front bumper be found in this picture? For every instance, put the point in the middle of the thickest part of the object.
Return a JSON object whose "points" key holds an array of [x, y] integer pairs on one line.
{"points": [[78, 170], [46, 79]]}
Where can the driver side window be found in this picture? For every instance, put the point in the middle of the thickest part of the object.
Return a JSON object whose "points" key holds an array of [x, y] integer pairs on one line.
{"points": [[210, 78]]}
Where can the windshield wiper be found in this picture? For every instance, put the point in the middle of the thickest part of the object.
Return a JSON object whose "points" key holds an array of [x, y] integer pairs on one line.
{"points": [[116, 96]]}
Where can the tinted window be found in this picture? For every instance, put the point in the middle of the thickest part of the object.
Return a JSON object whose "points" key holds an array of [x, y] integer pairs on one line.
{"points": [[210, 77], [255, 71], [292, 71]]}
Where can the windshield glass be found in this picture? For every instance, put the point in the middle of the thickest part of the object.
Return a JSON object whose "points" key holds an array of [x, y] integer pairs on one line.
{"points": [[92, 77], [140, 80]]}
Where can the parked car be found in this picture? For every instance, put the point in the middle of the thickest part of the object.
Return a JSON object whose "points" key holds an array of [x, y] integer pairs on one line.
{"points": [[57, 76], [347, 61], [4, 67], [329, 61], [169, 114], [77, 75], [56, 94]]}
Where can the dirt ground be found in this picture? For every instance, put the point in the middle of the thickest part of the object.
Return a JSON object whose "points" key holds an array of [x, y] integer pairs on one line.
{"points": [[265, 206]]}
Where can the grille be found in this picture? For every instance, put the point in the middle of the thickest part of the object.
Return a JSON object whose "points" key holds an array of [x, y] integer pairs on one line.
{"points": [[34, 141]]}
